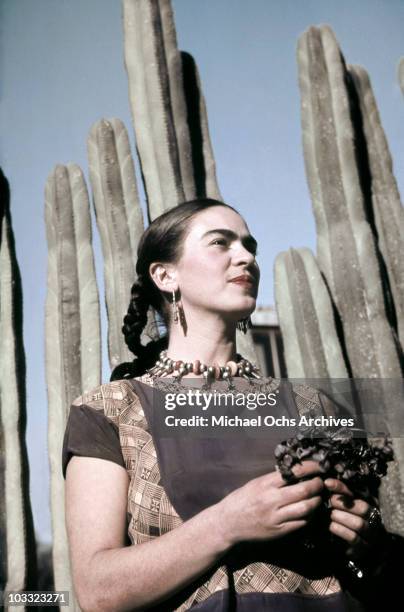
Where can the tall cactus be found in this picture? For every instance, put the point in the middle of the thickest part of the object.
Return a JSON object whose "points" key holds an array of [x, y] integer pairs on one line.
{"points": [[203, 161], [119, 220], [73, 356], [17, 541], [347, 161], [306, 317], [388, 222], [158, 96], [346, 245], [401, 74]]}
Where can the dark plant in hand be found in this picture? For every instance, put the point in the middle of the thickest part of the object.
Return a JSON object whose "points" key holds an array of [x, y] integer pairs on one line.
{"points": [[346, 454]]}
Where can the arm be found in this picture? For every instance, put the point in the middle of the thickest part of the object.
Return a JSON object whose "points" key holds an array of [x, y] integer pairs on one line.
{"points": [[109, 576], [106, 574]]}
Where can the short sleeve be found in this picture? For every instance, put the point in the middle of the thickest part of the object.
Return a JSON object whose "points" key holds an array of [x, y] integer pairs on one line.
{"points": [[89, 433]]}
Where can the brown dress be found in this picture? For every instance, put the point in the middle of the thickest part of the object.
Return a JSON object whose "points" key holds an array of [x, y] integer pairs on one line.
{"points": [[171, 479]]}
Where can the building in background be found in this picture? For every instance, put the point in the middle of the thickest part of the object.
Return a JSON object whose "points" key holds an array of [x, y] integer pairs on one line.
{"points": [[268, 342]]}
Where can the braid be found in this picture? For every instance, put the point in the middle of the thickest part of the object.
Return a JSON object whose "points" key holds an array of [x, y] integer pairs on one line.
{"points": [[135, 320], [134, 323]]}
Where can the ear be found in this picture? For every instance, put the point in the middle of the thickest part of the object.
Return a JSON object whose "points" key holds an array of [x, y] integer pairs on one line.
{"points": [[164, 276]]}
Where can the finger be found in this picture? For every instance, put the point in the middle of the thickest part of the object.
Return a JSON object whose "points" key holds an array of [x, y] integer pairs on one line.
{"points": [[301, 470], [337, 486], [347, 519], [300, 509], [307, 468], [301, 490], [356, 506], [345, 533], [290, 526], [277, 480]]}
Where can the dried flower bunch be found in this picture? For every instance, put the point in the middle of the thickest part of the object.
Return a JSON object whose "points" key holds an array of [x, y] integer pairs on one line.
{"points": [[349, 454]]}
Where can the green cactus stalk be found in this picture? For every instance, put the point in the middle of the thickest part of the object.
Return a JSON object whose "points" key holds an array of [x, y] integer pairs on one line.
{"points": [[89, 304], [401, 74], [72, 331], [203, 161], [311, 343], [386, 203], [141, 113], [120, 224], [347, 253], [346, 247], [17, 540], [164, 47], [152, 107], [159, 108]]}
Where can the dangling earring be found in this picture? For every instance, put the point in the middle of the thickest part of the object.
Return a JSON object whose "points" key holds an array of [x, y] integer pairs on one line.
{"points": [[244, 324], [174, 309]]}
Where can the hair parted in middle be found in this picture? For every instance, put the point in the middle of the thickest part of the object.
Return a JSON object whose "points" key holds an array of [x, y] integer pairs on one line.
{"points": [[162, 241]]}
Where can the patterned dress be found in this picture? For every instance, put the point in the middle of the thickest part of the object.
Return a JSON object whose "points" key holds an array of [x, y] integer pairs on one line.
{"points": [[113, 422]]}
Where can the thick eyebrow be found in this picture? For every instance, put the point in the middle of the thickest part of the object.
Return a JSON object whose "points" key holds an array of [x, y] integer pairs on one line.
{"points": [[246, 240]]}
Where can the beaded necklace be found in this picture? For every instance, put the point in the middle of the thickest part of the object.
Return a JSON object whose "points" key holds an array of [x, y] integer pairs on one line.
{"points": [[166, 366]]}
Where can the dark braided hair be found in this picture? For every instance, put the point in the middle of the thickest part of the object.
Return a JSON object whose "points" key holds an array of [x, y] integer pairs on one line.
{"points": [[162, 241]]}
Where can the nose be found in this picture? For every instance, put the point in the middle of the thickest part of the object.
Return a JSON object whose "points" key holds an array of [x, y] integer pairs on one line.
{"points": [[243, 256]]}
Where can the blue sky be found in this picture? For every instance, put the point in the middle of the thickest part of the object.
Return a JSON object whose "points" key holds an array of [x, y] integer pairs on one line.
{"points": [[62, 69]]}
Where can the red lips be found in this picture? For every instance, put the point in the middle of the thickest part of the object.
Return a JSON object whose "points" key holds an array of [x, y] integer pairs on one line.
{"points": [[243, 278]]}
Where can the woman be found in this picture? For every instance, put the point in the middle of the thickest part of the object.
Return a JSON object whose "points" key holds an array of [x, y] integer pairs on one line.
{"points": [[206, 536]]}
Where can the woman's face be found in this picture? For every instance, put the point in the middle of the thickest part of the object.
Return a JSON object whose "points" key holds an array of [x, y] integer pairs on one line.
{"points": [[217, 249]]}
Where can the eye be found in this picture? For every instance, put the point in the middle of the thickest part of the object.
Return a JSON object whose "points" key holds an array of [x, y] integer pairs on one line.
{"points": [[220, 241]]}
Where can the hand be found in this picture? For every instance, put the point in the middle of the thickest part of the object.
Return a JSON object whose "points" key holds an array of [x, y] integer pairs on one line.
{"points": [[350, 519], [267, 508]]}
